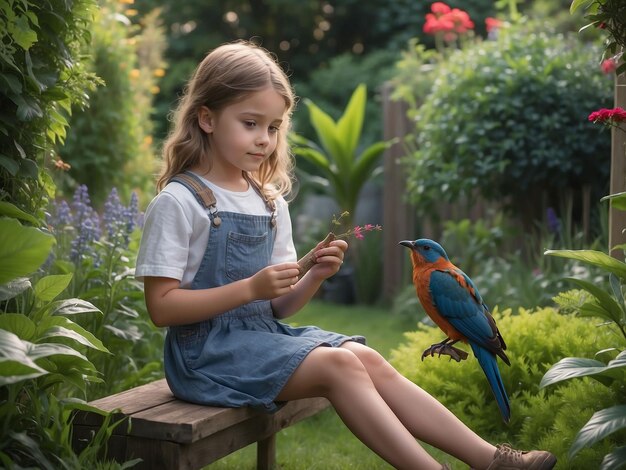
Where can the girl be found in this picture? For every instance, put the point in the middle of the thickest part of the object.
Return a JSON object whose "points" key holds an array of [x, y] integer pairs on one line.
{"points": [[219, 269]]}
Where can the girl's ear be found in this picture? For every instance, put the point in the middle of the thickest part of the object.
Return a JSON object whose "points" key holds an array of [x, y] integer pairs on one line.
{"points": [[205, 119]]}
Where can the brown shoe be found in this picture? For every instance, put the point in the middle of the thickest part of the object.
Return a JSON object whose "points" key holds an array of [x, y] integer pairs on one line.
{"points": [[507, 458]]}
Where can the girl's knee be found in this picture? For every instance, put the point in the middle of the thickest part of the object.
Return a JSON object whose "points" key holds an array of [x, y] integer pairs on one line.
{"points": [[372, 360]]}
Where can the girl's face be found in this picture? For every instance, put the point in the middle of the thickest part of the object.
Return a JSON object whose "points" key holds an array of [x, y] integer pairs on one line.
{"points": [[244, 134]]}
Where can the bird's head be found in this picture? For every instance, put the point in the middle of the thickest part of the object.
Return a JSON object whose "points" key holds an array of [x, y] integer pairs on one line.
{"points": [[424, 251]]}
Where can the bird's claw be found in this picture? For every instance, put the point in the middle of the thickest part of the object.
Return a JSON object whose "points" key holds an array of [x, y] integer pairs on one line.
{"points": [[455, 353]]}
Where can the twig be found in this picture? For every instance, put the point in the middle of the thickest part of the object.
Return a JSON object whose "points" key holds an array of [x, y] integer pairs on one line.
{"points": [[307, 261]]}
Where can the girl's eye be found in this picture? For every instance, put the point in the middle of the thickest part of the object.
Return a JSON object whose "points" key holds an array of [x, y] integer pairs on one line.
{"points": [[249, 123], [274, 129]]}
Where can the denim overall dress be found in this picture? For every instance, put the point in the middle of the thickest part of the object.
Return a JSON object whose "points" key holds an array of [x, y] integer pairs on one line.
{"points": [[242, 357]]}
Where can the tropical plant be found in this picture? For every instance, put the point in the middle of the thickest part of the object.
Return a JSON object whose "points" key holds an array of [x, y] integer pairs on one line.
{"points": [[42, 351], [343, 168], [609, 364]]}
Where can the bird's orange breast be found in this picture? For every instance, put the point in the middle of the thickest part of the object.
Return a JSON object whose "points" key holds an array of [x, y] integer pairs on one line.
{"points": [[421, 281]]}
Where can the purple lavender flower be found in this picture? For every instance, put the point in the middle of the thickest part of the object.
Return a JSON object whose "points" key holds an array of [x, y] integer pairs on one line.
{"points": [[554, 224], [88, 232], [60, 215], [113, 215]]}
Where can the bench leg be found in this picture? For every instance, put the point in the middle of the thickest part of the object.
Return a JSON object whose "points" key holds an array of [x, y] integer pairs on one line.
{"points": [[266, 453]]}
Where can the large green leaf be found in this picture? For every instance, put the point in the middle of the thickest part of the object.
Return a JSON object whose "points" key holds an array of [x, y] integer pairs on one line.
{"points": [[595, 258], [71, 307], [571, 367], [618, 200], [350, 124], [22, 249], [576, 4], [14, 288], [601, 424], [326, 130], [49, 287], [15, 363], [10, 210], [315, 157], [608, 307], [18, 324], [60, 327]]}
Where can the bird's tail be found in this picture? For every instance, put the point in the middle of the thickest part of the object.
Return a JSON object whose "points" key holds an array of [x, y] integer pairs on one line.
{"points": [[489, 365]]}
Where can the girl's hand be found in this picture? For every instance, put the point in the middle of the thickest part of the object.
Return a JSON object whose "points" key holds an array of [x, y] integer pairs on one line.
{"points": [[273, 281], [329, 259]]}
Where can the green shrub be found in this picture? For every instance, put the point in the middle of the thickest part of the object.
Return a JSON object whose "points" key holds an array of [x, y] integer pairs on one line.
{"points": [[535, 339], [509, 118], [110, 140], [41, 77]]}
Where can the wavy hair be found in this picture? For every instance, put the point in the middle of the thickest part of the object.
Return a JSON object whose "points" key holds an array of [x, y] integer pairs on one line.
{"points": [[229, 74]]}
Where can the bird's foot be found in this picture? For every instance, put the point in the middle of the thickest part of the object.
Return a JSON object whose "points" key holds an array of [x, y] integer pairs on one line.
{"points": [[442, 348]]}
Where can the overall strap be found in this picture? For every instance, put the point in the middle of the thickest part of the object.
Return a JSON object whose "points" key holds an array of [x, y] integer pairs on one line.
{"points": [[269, 203], [201, 192]]}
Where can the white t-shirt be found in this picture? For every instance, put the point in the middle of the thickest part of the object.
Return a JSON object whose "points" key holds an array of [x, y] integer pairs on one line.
{"points": [[176, 230]]}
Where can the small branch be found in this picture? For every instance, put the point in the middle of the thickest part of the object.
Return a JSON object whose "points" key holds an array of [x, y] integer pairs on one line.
{"points": [[308, 260]]}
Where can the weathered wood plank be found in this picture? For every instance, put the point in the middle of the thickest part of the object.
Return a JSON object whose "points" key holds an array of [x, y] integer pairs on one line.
{"points": [[184, 422], [129, 402], [172, 434]]}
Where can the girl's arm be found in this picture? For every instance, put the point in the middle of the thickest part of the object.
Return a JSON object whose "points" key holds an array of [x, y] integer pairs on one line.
{"points": [[327, 262], [170, 305]]}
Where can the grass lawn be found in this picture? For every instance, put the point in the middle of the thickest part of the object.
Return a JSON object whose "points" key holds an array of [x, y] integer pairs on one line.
{"points": [[323, 442]]}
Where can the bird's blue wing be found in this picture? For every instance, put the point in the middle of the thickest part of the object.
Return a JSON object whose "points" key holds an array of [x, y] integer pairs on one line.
{"points": [[463, 308]]}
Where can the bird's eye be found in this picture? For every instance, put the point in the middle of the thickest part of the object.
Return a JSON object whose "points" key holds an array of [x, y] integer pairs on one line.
{"points": [[426, 248]]}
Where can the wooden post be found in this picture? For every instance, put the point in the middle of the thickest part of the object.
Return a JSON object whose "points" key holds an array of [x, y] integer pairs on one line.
{"points": [[397, 219], [617, 218]]}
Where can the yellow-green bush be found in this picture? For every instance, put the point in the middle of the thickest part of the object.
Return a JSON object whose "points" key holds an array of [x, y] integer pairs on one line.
{"points": [[548, 418]]}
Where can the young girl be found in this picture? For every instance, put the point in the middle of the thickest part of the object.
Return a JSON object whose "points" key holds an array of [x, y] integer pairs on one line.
{"points": [[219, 269]]}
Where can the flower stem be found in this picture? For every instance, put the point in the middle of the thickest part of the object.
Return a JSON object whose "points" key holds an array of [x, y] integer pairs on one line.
{"points": [[307, 261]]}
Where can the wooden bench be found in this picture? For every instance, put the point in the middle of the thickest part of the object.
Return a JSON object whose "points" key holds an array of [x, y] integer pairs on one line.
{"points": [[167, 433]]}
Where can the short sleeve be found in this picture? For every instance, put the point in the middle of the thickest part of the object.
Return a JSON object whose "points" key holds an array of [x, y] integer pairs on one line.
{"points": [[165, 240], [284, 249]]}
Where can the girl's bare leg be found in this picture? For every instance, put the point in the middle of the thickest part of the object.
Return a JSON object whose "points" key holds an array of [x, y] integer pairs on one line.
{"points": [[425, 417], [339, 375]]}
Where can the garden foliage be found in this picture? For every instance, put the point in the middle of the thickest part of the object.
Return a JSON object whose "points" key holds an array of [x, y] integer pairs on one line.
{"points": [[507, 118], [110, 141], [43, 361], [608, 366], [99, 251], [540, 418], [41, 77]]}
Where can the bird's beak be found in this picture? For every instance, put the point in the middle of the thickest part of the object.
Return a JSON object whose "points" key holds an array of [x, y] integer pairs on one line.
{"points": [[407, 243]]}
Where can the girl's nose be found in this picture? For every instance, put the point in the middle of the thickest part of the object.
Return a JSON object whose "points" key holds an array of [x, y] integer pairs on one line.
{"points": [[263, 138]]}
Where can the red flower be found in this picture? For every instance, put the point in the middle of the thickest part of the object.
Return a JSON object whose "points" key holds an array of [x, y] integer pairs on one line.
{"points": [[608, 116], [439, 8], [447, 20], [608, 66], [492, 23]]}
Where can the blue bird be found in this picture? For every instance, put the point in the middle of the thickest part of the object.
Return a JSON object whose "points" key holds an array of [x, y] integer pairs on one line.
{"points": [[451, 300]]}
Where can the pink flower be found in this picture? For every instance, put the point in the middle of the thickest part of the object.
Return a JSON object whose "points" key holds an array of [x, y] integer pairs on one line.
{"points": [[356, 231], [608, 66]]}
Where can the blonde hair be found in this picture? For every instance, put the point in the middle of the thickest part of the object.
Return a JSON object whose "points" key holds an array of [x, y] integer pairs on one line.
{"points": [[229, 74]]}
